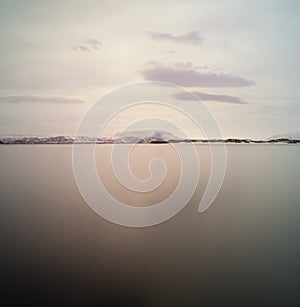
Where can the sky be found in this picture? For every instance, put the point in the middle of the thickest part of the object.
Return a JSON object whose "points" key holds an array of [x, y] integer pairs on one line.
{"points": [[240, 57]]}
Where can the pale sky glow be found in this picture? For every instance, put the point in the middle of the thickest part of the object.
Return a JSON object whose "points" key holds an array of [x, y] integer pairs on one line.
{"points": [[58, 57]]}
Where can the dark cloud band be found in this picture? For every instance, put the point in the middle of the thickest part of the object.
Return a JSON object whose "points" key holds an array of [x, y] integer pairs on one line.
{"points": [[39, 99], [209, 97], [191, 77]]}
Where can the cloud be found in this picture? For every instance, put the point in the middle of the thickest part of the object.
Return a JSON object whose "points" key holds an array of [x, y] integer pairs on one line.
{"points": [[185, 74], [189, 38], [40, 99], [80, 47], [209, 97], [87, 45]]}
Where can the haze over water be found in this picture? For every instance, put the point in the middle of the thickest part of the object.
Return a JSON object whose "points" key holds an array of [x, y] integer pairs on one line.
{"points": [[242, 251]]}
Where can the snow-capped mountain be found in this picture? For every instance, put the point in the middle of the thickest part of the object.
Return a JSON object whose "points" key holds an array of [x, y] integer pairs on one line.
{"points": [[144, 136], [36, 140], [289, 136], [147, 136]]}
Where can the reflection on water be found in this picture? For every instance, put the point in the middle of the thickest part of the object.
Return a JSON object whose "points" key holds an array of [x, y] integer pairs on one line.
{"points": [[243, 251], [139, 162]]}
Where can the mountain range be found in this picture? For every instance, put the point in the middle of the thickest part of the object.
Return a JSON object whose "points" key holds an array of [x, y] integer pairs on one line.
{"points": [[144, 137]]}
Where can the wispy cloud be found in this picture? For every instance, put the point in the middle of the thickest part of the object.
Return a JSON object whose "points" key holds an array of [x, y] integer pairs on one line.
{"points": [[40, 99], [87, 45], [209, 97], [81, 47], [192, 76], [193, 37]]}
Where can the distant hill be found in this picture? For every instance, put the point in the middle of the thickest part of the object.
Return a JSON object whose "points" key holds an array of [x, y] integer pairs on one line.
{"points": [[145, 137], [289, 136]]}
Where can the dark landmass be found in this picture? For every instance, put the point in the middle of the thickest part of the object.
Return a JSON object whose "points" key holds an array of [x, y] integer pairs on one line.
{"points": [[8, 140]]}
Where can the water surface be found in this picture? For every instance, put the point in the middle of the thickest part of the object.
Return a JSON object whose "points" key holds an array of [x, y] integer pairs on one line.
{"points": [[243, 251]]}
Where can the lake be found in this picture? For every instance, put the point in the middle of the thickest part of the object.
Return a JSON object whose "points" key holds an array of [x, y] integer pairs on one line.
{"points": [[242, 251]]}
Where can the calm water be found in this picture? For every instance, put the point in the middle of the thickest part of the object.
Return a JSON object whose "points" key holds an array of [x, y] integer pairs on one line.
{"points": [[243, 251]]}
